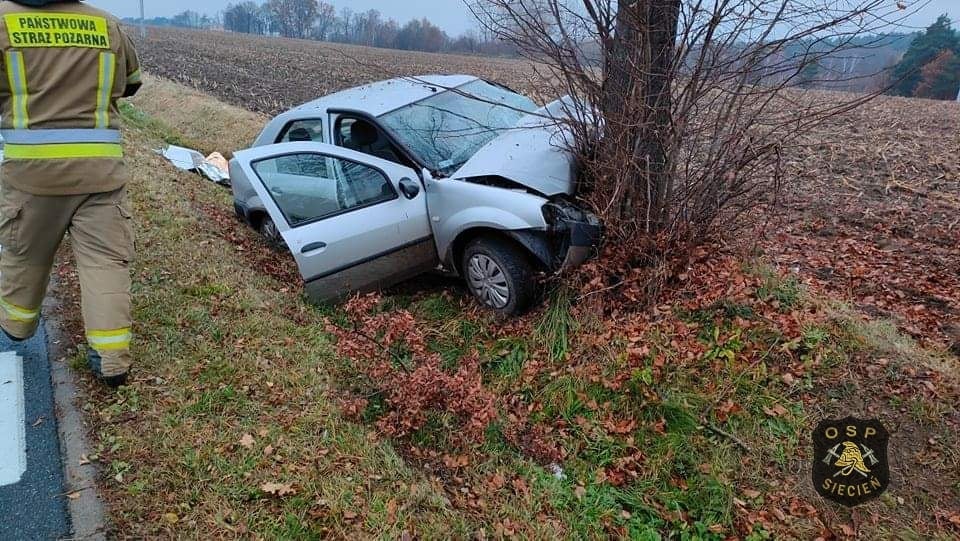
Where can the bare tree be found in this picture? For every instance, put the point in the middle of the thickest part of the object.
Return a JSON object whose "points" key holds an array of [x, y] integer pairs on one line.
{"points": [[421, 35], [345, 27], [326, 19], [367, 24], [294, 18], [246, 17], [680, 109]]}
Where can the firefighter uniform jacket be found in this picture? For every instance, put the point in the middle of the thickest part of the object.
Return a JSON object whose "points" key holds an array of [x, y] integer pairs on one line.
{"points": [[64, 67]]}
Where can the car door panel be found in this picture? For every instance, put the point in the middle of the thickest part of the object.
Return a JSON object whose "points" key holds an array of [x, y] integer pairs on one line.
{"points": [[376, 239], [382, 270]]}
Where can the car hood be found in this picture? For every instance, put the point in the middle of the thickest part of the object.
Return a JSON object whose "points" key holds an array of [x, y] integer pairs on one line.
{"points": [[533, 154]]}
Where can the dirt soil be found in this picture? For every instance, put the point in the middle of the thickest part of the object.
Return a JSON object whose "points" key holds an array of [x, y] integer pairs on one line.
{"points": [[871, 211], [873, 214]]}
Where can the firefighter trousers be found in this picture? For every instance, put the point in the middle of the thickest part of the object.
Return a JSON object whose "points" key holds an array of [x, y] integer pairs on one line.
{"points": [[101, 232]]}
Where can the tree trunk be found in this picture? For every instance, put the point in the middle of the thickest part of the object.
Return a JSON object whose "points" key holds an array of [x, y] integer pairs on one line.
{"points": [[621, 54], [638, 105], [656, 146]]}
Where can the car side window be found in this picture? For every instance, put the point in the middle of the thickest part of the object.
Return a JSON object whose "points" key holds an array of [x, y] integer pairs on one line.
{"points": [[307, 130], [321, 186], [363, 136], [313, 165]]}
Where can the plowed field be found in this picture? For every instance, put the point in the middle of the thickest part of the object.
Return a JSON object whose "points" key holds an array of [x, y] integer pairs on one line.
{"points": [[269, 75]]}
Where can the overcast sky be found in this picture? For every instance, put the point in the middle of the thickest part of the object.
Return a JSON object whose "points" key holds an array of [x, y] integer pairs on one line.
{"points": [[451, 15]]}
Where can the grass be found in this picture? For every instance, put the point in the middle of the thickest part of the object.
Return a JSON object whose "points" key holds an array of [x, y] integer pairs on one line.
{"points": [[688, 469], [785, 293], [556, 325], [237, 386], [139, 120]]}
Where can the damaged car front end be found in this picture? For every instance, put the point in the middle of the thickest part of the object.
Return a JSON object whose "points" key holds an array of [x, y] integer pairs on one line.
{"points": [[574, 233], [531, 156]]}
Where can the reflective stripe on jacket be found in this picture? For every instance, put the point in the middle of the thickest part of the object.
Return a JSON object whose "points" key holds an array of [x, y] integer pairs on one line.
{"points": [[65, 65]]}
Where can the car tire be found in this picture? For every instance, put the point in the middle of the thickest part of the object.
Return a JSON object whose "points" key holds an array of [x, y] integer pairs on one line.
{"points": [[499, 275], [271, 235]]}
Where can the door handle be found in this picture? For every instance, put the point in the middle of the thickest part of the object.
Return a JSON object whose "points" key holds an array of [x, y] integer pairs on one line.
{"points": [[313, 247]]}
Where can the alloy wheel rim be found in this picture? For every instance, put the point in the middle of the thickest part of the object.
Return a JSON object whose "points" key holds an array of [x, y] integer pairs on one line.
{"points": [[488, 281]]}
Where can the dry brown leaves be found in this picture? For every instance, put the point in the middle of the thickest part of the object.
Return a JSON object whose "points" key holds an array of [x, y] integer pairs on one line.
{"points": [[225, 224], [279, 490], [415, 384]]}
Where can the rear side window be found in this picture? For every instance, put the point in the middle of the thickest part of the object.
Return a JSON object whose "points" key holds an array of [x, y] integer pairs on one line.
{"points": [[343, 130], [319, 186], [309, 130]]}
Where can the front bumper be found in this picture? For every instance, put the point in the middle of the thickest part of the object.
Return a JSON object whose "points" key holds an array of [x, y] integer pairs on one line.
{"points": [[584, 240]]}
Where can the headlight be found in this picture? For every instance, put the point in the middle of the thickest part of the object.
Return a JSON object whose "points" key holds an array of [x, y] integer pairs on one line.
{"points": [[553, 214]]}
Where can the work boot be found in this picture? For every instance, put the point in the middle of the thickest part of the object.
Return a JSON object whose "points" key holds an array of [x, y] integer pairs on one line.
{"points": [[12, 338], [96, 364]]}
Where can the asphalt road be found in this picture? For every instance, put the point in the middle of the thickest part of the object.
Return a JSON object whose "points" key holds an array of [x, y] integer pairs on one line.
{"points": [[35, 508]]}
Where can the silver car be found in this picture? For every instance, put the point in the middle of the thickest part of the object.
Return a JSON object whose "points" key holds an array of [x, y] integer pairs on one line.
{"points": [[375, 185]]}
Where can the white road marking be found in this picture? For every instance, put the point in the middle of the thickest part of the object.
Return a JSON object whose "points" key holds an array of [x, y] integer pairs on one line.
{"points": [[13, 426]]}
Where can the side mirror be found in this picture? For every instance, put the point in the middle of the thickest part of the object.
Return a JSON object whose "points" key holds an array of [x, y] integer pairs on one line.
{"points": [[409, 188]]}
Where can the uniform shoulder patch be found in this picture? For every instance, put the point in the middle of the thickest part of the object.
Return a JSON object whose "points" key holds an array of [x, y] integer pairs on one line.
{"points": [[850, 464], [33, 29]]}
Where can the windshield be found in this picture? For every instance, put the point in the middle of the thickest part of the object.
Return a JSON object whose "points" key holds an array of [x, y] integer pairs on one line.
{"points": [[446, 130]]}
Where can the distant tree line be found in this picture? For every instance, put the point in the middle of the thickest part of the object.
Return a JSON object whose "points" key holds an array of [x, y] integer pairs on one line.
{"points": [[313, 19], [185, 19], [848, 63], [921, 64], [931, 66]]}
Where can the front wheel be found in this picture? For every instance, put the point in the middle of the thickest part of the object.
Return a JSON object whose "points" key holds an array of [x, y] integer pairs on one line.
{"points": [[499, 275]]}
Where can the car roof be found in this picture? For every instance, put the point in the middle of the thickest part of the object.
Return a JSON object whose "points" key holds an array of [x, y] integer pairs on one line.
{"points": [[380, 98]]}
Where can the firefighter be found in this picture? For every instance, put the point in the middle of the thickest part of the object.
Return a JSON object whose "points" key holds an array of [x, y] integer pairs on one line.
{"points": [[64, 65]]}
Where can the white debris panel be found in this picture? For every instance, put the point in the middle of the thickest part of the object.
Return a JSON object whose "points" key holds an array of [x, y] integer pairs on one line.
{"points": [[213, 167]]}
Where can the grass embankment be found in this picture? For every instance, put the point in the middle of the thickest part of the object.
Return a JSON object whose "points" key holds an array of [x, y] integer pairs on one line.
{"points": [[231, 391], [243, 419]]}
